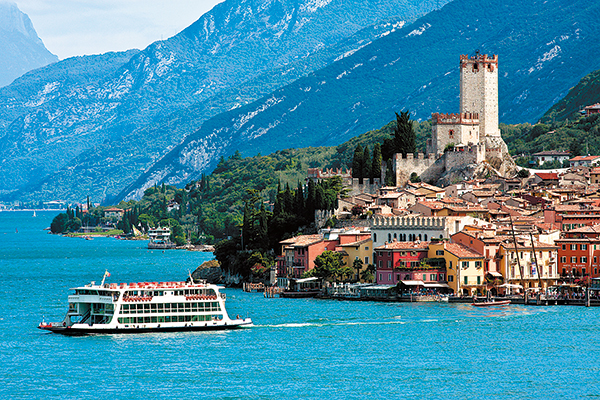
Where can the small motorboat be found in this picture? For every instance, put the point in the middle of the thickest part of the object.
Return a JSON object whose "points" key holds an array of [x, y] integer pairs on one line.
{"points": [[491, 303]]}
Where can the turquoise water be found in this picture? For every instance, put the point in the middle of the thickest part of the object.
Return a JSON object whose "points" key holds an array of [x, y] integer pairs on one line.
{"points": [[297, 349]]}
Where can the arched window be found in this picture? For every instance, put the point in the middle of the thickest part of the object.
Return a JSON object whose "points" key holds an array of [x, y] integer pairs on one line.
{"points": [[389, 237], [374, 237], [420, 236], [395, 236], [425, 237]]}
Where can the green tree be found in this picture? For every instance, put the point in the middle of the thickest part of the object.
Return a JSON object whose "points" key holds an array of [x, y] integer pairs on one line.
{"points": [[368, 274], [403, 140], [575, 148], [357, 265], [366, 167], [414, 177], [59, 223], [328, 264], [358, 163], [376, 164], [390, 174]]}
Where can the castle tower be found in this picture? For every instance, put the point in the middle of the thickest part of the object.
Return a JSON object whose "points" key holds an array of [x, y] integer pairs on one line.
{"points": [[479, 91]]}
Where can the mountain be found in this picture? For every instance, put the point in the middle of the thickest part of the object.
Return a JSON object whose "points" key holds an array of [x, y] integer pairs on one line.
{"points": [[544, 48], [585, 93], [64, 135], [21, 48]]}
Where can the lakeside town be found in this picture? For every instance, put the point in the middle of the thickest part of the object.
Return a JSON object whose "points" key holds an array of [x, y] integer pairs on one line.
{"points": [[488, 229]]}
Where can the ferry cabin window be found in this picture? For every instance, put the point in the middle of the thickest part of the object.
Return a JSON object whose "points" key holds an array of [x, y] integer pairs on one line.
{"points": [[168, 308]]}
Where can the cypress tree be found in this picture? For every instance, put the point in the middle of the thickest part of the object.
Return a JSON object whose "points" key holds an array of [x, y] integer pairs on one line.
{"points": [[246, 229], [320, 201], [390, 174], [288, 200], [366, 167], [262, 234], [404, 134], [299, 201], [376, 163], [311, 200], [357, 163]]}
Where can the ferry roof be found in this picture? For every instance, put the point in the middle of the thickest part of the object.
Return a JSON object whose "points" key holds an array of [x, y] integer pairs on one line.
{"points": [[145, 285]]}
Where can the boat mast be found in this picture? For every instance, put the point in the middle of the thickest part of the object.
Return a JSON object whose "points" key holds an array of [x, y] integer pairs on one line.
{"points": [[537, 267], [512, 228]]}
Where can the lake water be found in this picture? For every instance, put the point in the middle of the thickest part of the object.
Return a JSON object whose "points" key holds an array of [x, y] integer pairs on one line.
{"points": [[298, 348]]}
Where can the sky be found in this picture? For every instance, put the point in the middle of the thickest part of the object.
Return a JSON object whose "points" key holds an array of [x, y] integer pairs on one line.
{"points": [[81, 27]]}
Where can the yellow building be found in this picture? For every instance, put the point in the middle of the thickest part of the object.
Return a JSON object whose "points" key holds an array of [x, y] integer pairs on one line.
{"points": [[464, 267], [522, 267], [362, 249]]}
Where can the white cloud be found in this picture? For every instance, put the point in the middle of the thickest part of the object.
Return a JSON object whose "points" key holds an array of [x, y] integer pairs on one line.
{"points": [[77, 27]]}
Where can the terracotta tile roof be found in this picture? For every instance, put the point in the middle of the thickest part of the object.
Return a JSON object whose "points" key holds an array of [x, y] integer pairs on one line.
{"points": [[461, 251], [483, 193], [547, 175], [302, 241], [586, 229], [469, 208], [584, 158], [575, 207], [434, 205], [392, 195], [547, 226], [404, 246], [427, 186]]}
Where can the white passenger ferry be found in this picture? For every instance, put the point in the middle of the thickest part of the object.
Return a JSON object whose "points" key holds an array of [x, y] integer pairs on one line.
{"points": [[145, 307]]}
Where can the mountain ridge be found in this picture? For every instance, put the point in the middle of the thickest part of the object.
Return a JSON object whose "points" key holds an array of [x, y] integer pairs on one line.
{"points": [[21, 48], [557, 53], [165, 77]]}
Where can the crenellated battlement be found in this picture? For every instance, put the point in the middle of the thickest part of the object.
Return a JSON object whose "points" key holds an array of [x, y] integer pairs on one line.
{"points": [[407, 222], [479, 59], [317, 173], [466, 118]]}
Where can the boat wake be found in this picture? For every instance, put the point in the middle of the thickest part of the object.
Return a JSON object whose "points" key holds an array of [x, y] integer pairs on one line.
{"points": [[320, 324]]}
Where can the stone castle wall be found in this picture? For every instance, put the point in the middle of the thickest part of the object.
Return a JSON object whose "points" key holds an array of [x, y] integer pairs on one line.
{"points": [[366, 187], [406, 166], [430, 169]]}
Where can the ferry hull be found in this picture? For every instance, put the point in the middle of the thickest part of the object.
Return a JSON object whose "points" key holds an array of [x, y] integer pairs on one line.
{"points": [[72, 331]]}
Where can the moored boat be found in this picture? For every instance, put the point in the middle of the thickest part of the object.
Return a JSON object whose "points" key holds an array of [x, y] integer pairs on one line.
{"points": [[490, 303], [145, 307]]}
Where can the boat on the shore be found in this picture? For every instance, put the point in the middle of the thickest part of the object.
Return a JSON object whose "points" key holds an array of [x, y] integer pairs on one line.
{"points": [[303, 288], [491, 303], [145, 307], [160, 238]]}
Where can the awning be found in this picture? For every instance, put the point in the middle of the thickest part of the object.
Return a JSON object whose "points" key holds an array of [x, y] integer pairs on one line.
{"points": [[437, 285], [413, 283], [306, 280], [511, 286], [495, 274]]}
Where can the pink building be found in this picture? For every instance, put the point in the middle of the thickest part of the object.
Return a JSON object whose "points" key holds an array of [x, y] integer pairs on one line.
{"points": [[404, 261]]}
